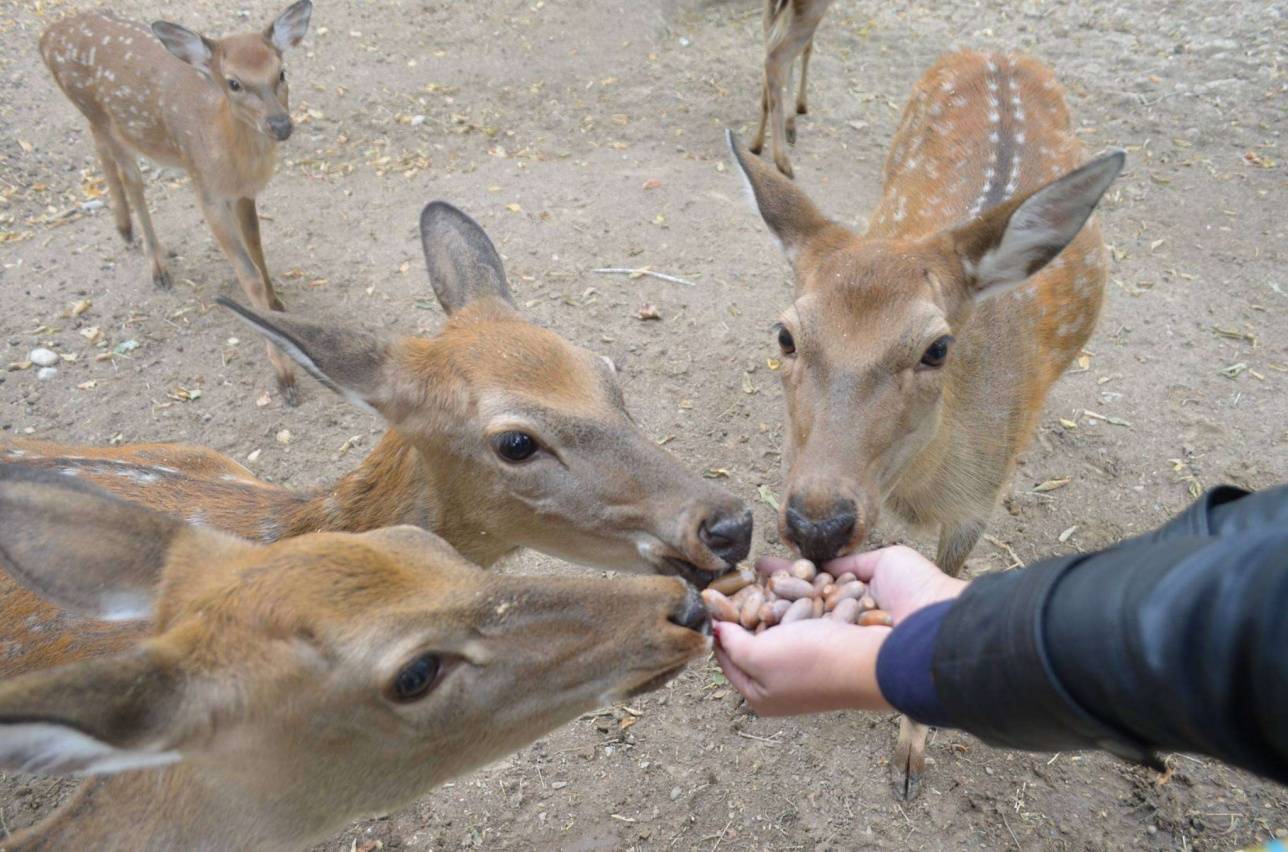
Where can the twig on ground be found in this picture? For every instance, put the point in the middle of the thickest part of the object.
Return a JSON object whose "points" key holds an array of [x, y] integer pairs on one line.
{"points": [[644, 270]]}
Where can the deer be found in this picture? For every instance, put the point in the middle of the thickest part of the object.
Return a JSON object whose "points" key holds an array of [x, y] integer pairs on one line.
{"points": [[216, 108], [502, 435], [286, 689], [789, 33], [917, 355]]}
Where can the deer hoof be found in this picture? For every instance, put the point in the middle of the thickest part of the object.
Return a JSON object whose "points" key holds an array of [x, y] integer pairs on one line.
{"points": [[161, 278], [785, 167], [801, 109], [791, 132], [290, 392], [127, 234], [906, 769]]}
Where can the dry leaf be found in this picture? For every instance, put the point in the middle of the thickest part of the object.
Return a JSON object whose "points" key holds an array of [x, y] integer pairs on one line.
{"points": [[1067, 534], [514, 208], [1068, 424], [648, 312], [253, 456], [264, 399], [716, 473], [284, 436], [652, 183], [1051, 485]]}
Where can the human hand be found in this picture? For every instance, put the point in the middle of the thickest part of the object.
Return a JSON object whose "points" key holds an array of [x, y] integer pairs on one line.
{"points": [[899, 578], [809, 666]]}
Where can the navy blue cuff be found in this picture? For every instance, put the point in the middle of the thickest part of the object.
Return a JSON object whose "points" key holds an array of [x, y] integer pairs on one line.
{"points": [[904, 666]]}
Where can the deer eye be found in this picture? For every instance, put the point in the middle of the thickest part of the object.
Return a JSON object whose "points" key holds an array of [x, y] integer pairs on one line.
{"points": [[937, 353], [415, 679], [234, 85], [515, 446], [785, 340]]}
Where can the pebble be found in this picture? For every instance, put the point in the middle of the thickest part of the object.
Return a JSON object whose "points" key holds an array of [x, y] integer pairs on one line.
{"points": [[43, 357], [46, 372], [417, 120], [92, 204]]}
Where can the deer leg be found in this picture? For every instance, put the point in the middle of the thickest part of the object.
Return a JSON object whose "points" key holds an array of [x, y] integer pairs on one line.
{"points": [[956, 541], [909, 761], [128, 168], [801, 107], [115, 189], [249, 221], [758, 141], [225, 223], [776, 62]]}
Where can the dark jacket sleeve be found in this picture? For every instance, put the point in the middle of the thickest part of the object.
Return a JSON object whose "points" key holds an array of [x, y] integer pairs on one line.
{"points": [[1176, 640]]}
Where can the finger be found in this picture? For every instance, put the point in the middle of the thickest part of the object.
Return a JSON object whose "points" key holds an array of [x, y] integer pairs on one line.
{"points": [[734, 641], [768, 565], [861, 565], [741, 680]]}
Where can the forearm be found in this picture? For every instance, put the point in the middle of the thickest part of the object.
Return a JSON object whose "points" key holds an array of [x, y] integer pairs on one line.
{"points": [[1162, 643]]}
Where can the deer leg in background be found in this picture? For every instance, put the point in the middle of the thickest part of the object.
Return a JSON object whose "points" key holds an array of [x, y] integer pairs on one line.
{"points": [[128, 169], [115, 187], [249, 221], [224, 220]]}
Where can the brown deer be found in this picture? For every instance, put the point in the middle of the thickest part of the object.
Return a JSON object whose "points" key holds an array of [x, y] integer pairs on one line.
{"points": [[214, 107], [289, 688], [502, 435], [917, 356], [789, 33]]}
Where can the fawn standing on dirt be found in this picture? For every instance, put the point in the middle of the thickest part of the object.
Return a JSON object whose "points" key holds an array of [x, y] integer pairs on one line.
{"points": [[789, 33], [218, 114], [502, 435], [287, 689], [917, 356]]}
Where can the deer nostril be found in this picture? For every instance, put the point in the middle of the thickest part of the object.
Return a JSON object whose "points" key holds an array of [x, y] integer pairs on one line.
{"points": [[728, 537], [691, 613]]}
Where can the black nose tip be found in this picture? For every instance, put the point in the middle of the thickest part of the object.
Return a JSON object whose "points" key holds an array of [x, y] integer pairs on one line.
{"points": [[820, 540], [728, 536], [691, 613], [280, 126]]}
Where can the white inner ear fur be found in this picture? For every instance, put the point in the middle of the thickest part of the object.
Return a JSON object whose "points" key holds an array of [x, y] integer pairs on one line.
{"points": [[44, 748], [290, 27], [124, 606], [1042, 226], [188, 46]]}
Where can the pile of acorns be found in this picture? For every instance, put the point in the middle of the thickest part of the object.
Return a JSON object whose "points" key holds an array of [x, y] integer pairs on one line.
{"points": [[792, 594]]}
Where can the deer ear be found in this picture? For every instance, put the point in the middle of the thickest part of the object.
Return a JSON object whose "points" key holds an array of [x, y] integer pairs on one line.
{"points": [[349, 361], [94, 717], [81, 548], [791, 216], [463, 264], [1002, 248], [289, 28], [193, 48]]}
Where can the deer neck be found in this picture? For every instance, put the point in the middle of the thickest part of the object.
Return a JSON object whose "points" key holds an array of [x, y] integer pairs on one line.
{"points": [[397, 484], [171, 808], [245, 157]]}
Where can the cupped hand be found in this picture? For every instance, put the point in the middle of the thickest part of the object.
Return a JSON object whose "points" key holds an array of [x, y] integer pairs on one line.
{"points": [[899, 578], [809, 666]]}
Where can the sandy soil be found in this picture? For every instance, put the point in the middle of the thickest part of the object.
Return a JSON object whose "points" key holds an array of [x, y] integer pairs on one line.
{"points": [[549, 121]]}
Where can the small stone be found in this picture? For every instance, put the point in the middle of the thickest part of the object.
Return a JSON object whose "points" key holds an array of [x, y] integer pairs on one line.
{"points": [[675, 793], [43, 357], [284, 436], [1152, 829], [92, 204], [46, 372], [417, 120]]}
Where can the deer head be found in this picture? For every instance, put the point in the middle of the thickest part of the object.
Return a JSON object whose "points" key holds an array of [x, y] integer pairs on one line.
{"points": [[288, 688], [868, 342], [526, 430], [247, 68]]}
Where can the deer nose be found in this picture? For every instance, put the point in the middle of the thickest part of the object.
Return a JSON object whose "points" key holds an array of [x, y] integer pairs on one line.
{"points": [[280, 126], [728, 536], [820, 539], [691, 613]]}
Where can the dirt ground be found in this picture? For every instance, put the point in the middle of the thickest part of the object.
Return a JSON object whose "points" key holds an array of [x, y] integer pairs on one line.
{"points": [[552, 123]]}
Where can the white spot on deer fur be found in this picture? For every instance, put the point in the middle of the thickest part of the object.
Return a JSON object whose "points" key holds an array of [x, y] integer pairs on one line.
{"points": [[197, 519], [69, 471], [947, 86]]}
